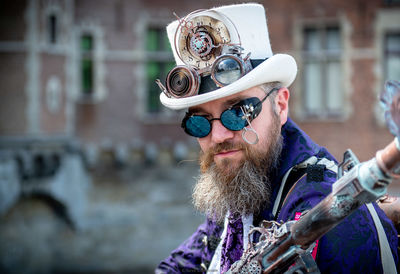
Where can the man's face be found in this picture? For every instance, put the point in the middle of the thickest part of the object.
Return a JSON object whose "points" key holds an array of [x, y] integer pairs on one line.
{"points": [[235, 175], [226, 148]]}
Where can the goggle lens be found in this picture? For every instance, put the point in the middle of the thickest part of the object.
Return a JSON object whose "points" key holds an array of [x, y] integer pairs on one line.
{"points": [[182, 82], [197, 126], [233, 119], [227, 70]]}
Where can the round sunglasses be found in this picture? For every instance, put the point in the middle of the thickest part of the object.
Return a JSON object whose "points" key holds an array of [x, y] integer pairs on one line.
{"points": [[234, 118]]}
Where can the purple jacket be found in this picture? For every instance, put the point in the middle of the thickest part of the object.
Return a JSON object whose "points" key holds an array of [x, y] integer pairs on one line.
{"points": [[351, 247]]}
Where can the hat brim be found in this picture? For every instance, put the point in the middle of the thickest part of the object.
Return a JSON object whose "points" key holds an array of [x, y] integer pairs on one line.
{"points": [[277, 68]]}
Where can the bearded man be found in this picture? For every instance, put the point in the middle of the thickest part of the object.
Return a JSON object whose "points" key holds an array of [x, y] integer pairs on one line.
{"points": [[235, 175], [256, 163]]}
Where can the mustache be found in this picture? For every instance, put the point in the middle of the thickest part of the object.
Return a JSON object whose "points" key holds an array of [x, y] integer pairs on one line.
{"points": [[207, 157], [227, 145]]}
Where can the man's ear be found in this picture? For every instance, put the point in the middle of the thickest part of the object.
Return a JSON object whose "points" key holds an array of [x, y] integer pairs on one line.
{"points": [[282, 104]]}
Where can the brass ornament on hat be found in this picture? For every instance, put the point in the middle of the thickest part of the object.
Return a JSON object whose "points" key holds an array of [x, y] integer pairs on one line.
{"points": [[199, 38]]}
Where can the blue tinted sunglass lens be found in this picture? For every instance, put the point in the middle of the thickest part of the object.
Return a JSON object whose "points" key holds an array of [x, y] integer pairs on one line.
{"points": [[233, 119], [197, 126]]}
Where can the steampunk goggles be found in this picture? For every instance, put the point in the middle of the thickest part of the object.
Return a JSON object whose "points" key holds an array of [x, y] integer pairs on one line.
{"points": [[186, 81]]}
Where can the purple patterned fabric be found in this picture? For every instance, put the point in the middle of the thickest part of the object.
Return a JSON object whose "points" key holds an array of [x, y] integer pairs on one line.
{"points": [[351, 247], [232, 247]]}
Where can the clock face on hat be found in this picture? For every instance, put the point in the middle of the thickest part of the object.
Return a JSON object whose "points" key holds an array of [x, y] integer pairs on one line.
{"points": [[201, 39]]}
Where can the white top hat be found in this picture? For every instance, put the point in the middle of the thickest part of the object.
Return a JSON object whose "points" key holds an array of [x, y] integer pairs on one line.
{"points": [[243, 24]]}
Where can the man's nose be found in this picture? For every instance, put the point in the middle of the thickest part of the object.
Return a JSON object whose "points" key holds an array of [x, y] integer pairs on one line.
{"points": [[219, 133]]}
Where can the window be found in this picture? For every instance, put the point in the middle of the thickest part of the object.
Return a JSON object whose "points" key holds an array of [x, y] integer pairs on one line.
{"points": [[89, 73], [387, 52], [87, 65], [52, 16], [392, 56], [322, 77], [160, 62], [52, 29]]}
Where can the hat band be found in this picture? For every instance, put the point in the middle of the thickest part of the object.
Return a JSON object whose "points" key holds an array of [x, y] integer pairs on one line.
{"points": [[207, 84]]}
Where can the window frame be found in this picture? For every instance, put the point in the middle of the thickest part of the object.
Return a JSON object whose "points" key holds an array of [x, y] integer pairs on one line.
{"points": [[388, 54], [386, 22], [161, 55], [298, 87], [53, 29], [323, 57], [59, 13], [98, 52], [87, 67], [165, 115]]}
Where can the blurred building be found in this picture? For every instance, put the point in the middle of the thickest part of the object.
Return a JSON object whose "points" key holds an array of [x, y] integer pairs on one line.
{"points": [[80, 112]]}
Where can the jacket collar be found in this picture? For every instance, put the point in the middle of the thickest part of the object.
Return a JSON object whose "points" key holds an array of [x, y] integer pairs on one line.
{"points": [[297, 147]]}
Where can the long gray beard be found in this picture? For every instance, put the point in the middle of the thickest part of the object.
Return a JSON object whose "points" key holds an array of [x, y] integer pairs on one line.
{"points": [[247, 193]]}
